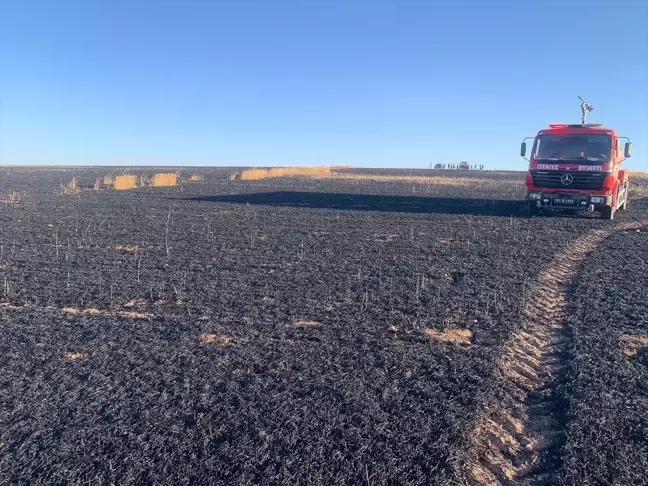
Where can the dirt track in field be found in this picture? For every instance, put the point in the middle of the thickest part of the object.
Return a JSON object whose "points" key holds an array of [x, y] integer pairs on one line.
{"points": [[520, 437]]}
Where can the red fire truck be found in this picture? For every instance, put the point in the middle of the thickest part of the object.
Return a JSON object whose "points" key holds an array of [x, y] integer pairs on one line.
{"points": [[577, 168]]}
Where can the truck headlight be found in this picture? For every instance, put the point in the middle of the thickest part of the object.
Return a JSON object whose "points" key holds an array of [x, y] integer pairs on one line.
{"points": [[597, 200], [535, 195]]}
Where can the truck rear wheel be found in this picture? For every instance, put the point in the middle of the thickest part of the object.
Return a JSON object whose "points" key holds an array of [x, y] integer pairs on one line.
{"points": [[607, 212], [624, 206]]}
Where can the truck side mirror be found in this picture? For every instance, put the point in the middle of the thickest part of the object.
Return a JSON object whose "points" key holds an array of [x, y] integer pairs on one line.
{"points": [[523, 149], [627, 153]]}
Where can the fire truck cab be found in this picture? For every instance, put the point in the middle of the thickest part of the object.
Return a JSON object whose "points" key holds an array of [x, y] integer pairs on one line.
{"points": [[577, 168]]}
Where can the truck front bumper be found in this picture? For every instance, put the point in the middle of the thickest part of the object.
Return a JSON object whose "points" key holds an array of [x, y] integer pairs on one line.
{"points": [[572, 202]]}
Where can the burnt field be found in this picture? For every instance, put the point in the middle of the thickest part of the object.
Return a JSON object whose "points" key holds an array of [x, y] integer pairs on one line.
{"points": [[316, 331], [607, 386]]}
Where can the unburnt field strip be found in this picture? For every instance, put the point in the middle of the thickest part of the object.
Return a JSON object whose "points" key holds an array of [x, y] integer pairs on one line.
{"points": [[289, 331]]}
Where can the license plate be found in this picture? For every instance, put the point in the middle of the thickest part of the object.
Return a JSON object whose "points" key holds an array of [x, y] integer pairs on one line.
{"points": [[564, 201]]}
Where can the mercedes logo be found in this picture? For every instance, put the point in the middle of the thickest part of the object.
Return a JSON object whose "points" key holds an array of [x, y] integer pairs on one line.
{"points": [[567, 179]]}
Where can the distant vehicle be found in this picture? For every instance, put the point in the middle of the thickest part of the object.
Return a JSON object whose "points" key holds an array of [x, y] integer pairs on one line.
{"points": [[463, 166], [438, 166], [577, 168]]}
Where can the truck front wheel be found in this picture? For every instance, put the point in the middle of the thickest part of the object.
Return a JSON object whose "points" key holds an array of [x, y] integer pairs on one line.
{"points": [[607, 212], [534, 210]]}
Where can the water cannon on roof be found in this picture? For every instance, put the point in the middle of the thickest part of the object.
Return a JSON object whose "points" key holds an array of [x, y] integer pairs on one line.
{"points": [[586, 107]]}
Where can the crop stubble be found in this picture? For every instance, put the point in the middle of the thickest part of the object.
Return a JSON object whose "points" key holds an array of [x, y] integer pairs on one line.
{"points": [[521, 436], [282, 341]]}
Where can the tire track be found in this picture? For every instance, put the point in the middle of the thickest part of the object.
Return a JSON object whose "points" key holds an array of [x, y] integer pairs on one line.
{"points": [[519, 437]]}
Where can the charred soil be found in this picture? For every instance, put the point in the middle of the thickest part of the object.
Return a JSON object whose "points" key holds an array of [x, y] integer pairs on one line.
{"points": [[229, 332]]}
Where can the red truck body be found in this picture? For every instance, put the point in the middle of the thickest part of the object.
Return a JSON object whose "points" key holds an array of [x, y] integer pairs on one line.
{"points": [[577, 168]]}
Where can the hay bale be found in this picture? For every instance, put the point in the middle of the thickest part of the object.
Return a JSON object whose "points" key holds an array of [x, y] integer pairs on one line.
{"points": [[124, 182], [164, 180], [255, 174]]}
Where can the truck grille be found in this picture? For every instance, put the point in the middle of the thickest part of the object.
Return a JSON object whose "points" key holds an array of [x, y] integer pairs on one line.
{"points": [[582, 180]]}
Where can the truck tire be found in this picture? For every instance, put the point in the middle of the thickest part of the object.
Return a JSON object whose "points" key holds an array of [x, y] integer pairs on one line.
{"points": [[607, 212], [624, 206], [534, 210]]}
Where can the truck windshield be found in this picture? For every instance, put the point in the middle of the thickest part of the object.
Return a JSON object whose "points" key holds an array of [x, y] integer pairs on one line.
{"points": [[590, 148]]}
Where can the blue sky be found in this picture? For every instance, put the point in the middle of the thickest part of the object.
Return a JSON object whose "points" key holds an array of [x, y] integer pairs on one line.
{"points": [[381, 84]]}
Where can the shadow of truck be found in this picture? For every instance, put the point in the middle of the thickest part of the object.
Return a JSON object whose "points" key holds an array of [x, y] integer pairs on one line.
{"points": [[376, 202]]}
